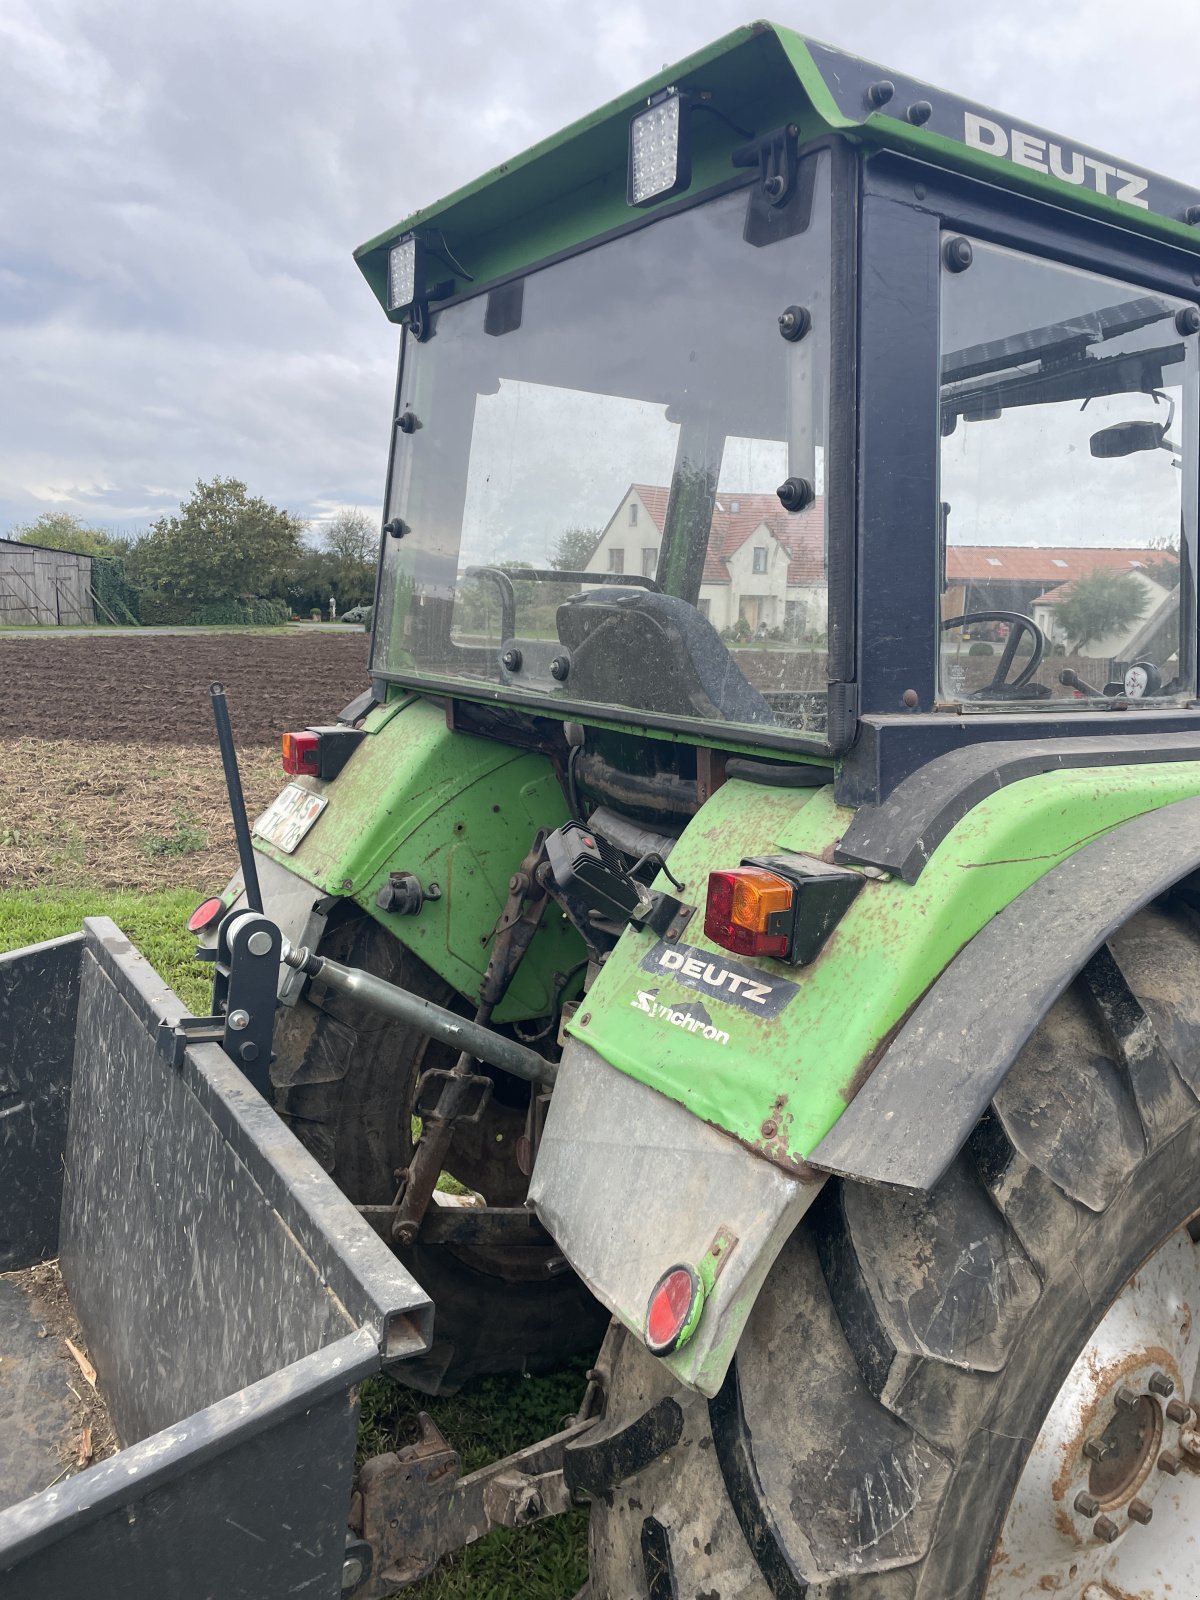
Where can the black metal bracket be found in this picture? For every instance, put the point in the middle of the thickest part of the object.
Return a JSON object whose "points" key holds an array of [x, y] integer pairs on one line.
{"points": [[667, 916], [774, 154], [245, 983]]}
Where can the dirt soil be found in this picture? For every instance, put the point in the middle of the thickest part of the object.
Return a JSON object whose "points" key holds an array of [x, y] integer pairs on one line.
{"points": [[92, 1437], [124, 689], [131, 816], [112, 776]]}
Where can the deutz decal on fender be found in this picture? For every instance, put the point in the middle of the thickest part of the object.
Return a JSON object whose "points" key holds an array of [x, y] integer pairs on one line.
{"points": [[720, 978]]}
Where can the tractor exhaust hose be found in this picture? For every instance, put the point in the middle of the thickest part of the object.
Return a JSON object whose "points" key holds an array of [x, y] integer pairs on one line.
{"points": [[390, 1001]]}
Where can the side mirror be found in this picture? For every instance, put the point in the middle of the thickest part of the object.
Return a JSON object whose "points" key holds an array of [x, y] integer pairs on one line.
{"points": [[1127, 438]]}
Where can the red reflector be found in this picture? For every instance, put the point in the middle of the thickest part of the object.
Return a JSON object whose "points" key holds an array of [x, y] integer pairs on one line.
{"points": [[205, 914], [302, 754], [674, 1310]]}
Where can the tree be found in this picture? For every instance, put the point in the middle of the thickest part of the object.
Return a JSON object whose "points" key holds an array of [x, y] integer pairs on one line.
{"points": [[1162, 562], [63, 530], [225, 545], [1100, 603], [352, 537], [574, 548], [345, 563]]}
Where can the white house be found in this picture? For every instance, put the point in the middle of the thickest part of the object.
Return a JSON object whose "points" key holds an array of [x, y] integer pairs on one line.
{"points": [[1124, 644], [764, 565]]}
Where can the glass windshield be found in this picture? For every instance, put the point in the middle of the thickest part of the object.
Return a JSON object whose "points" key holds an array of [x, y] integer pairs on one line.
{"points": [[1068, 420], [586, 470]]}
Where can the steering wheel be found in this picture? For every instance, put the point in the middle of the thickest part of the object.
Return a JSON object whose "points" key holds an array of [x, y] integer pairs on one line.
{"points": [[1018, 623]]}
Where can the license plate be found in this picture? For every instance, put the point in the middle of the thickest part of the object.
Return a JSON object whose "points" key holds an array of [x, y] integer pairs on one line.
{"points": [[289, 817]]}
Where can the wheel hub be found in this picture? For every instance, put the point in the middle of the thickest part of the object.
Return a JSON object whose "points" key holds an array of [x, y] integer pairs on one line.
{"points": [[1125, 1451], [1108, 1503]]}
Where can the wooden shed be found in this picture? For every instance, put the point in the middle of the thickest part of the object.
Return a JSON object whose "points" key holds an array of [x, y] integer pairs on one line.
{"points": [[51, 587]]}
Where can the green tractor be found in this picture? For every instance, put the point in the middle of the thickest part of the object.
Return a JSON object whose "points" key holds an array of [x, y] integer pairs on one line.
{"points": [[761, 870], [783, 720]]}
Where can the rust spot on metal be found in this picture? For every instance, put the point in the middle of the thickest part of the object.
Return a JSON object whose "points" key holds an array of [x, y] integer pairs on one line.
{"points": [[1067, 1526], [777, 1153]]}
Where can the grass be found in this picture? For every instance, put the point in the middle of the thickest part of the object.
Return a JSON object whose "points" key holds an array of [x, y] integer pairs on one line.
{"points": [[154, 922], [184, 838], [486, 1420]]}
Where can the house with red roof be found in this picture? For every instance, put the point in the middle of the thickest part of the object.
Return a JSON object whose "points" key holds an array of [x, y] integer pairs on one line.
{"points": [[986, 577], [764, 565]]}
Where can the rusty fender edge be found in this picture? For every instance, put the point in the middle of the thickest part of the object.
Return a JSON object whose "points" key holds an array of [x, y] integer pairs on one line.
{"points": [[915, 1112]]}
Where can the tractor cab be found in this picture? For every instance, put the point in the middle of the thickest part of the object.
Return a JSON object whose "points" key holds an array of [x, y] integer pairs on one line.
{"points": [[799, 410]]}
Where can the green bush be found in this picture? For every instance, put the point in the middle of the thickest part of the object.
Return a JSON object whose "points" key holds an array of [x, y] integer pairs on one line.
{"points": [[163, 609], [225, 613], [979, 648]]}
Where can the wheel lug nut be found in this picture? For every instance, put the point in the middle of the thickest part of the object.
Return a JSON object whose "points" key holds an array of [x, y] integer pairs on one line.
{"points": [[1139, 1511], [1169, 1463], [1097, 1449], [1086, 1504], [1127, 1400], [1178, 1412], [1190, 1440], [1161, 1384], [1106, 1529]]}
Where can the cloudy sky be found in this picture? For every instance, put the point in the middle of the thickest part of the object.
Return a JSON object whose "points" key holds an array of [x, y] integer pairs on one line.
{"points": [[181, 187]]}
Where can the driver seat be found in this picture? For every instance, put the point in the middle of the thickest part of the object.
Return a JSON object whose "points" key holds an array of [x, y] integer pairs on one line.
{"points": [[654, 652]]}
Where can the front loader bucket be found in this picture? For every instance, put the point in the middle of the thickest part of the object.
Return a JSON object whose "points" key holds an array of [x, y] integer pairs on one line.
{"points": [[230, 1299]]}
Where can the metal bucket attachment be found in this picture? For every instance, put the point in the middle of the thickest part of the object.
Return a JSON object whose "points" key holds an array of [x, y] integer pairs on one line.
{"points": [[230, 1297]]}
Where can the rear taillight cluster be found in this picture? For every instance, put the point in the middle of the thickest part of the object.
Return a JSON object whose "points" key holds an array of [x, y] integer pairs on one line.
{"points": [[750, 912], [302, 754], [785, 906], [319, 752]]}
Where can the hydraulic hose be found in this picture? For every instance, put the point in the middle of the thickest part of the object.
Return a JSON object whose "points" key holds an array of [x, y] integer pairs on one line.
{"points": [[390, 1001]]}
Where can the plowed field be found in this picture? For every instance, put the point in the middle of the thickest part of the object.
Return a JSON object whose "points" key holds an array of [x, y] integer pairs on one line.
{"points": [[111, 776], [131, 689]]}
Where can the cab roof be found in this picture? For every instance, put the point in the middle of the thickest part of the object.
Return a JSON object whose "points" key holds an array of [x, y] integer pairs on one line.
{"points": [[570, 188]]}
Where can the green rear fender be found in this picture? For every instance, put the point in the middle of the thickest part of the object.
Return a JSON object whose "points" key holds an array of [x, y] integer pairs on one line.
{"points": [[777, 1069], [458, 812]]}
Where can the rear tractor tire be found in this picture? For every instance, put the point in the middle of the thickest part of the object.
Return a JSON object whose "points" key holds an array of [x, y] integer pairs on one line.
{"points": [[344, 1082], [986, 1391]]}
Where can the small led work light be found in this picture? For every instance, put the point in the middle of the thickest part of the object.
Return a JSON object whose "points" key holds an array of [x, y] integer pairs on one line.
{"points": [[405, 272], [660, 151]]}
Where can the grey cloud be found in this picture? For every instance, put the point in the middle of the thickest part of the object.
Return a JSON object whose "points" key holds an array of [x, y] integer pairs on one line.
{"points": [[183, 187]]}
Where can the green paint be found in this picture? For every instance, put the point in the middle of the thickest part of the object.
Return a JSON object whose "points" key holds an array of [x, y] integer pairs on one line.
{"points": [[457, 811], [571, 187], [780, 1083]]}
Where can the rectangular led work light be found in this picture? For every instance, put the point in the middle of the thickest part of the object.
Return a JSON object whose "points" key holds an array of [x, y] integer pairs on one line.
{"points": [[405, 273], [660, 153]]}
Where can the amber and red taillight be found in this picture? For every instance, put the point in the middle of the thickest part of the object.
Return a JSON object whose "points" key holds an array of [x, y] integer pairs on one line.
{"points": [[319, 752], [784, 907], [302, 754], [750, 912]]}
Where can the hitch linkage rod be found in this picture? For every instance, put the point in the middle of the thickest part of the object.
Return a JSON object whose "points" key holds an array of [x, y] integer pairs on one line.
{"points": [[484, 1044]]}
